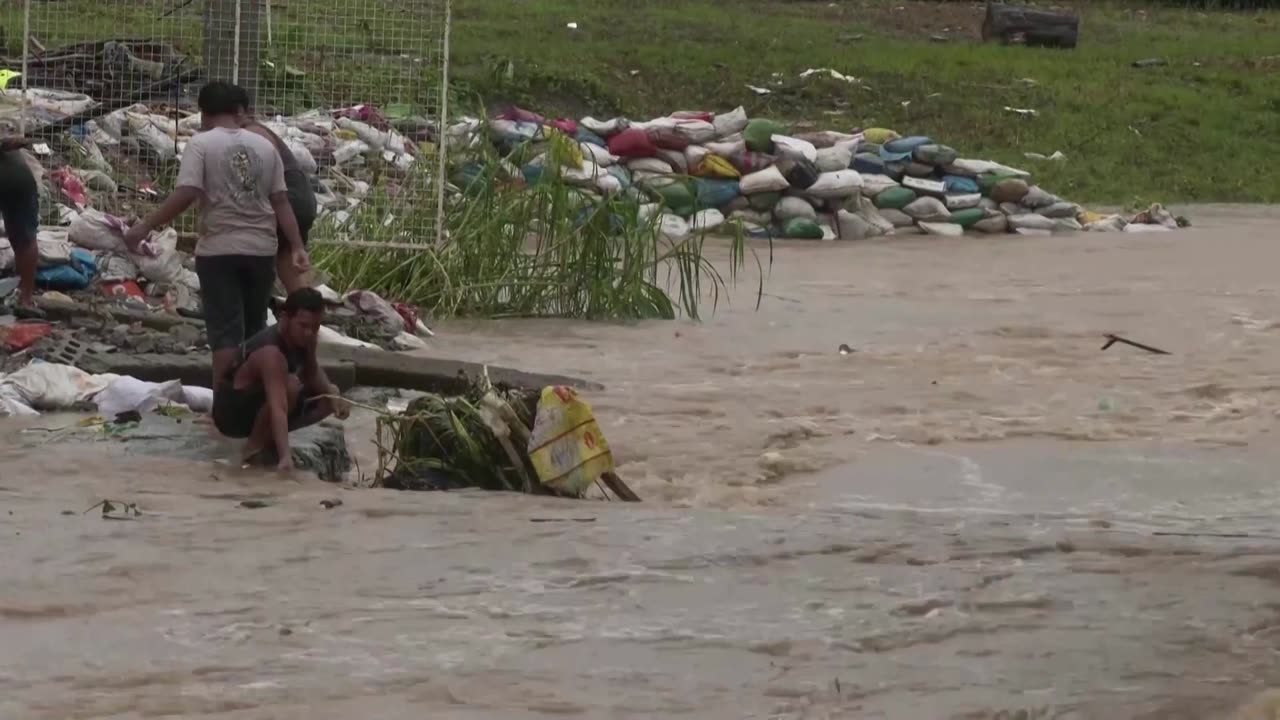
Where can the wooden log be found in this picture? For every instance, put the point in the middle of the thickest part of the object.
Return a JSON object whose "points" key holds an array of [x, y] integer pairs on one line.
{"points": [[1021, 25]]}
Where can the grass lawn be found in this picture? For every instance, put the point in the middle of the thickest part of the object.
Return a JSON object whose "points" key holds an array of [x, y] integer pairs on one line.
{"points": [[1203, 127]]}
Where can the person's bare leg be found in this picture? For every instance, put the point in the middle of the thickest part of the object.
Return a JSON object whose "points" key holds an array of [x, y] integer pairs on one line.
{"points": [[26, 257], [261, 438], [289, 275]]}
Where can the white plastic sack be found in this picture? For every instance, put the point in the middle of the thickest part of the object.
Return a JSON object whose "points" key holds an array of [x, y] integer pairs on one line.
{"points": [[12, 405], [706, 220], [166, 267], [993, 224], [695, 131], [349, 150], [1037, 198], [834, 158], [734, 121], [405, 341], [941, 228], [854, 227], [694, 154], [54, 247], [768, 180], [1031, 221], [839, 184], [598, 155], [927, 209], [96, 230], [375, 138], [961, 202], [1061, 210], [653, 165], [974, 168], [126, 393], [198, 399], [924, 186], [1066, 225], [52, 386], [897, 218], [673, 227], [115, 267], [1111, 223], [790, 208], [302, 153], [676, 159], [876, 219], [157, 140], [727, 149], [794, 148], [1145, 228], [373, 307], [873, 185], [604, 128]]}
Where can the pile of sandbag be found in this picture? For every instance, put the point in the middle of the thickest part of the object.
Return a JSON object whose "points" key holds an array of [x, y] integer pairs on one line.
{"points": [[699, 170]]}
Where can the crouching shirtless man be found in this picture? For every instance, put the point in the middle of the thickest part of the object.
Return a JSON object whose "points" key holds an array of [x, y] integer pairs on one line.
{"points": [[276, 385]]}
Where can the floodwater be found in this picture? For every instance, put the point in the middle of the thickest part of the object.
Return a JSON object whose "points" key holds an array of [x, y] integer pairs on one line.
{"points": [[976, 514]]}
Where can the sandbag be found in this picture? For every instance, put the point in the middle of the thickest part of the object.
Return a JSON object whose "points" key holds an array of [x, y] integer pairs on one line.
{"points": [[741, 202], [901, 149], [922, 186], [1008, 190], [604, 128], [759, 133], [968, 217], [673, 228], [675, 159], [694, 155], [927, 209], [597, 154], [800, 174], [876, 219], [1066, 224], [622, 175], [96, 230], [963, 202], [1060, 209], [960, 184], [790, 208], [934, 154], [839, 184], [753, 217], [765, 201], [873, 185], [632, 143], [1031, 221], [802, 229], [831, 159], [668, 138], [897, 218], [829, 138], [794, 149], [852, 226], [650, 164], [993, 224], [894, 198], [714, 193], [727, 149], [1012, 209], [706, 220], [734, 121], [749, 162], [978, 168], [879, 136], [675, 195], [1037, 198], [694, 130], [763, 181], [76, 274], [915, 169], [942, 228], [586, 136], [52, 386], [895, 170], [1111, 223], [126, 393], [868, 164], [715, 166]]}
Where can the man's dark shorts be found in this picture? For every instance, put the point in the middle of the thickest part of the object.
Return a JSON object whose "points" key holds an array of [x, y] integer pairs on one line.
{"points": [[234, 290], [19, 201], [303, 203], [234, 411]]}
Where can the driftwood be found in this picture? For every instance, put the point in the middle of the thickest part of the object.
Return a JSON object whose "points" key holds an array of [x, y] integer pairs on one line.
{"points": [[1021, 25]]}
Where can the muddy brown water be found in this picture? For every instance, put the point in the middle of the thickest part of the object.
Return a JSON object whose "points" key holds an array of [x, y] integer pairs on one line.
{"points": [[977, 514]]}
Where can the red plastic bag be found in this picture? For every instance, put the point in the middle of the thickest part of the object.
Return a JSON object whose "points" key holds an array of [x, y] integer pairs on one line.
{"points": [[23, 335], [410, 315], [668, 139], [71, 187], [366, 114], [123, 288], [632, 143]]}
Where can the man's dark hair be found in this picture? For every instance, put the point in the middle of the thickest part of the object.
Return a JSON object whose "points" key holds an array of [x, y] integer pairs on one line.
{"points": [[222, 98], [308, 299]]}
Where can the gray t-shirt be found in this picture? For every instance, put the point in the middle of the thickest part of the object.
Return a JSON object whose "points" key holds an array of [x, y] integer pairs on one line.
{"points": [[237, 171]]}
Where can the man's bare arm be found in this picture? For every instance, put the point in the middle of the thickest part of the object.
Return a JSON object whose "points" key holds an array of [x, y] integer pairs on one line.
{"points": [[173, 206]]}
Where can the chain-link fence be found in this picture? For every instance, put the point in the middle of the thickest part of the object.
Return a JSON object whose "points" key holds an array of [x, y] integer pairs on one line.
{"points": [[356, 88]]}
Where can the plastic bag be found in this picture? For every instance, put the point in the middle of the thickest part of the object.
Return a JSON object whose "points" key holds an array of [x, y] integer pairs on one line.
{"points": [[919, 170], [125, 393], [897, 218], [586, 136], [902, 149], [115, 267], [73, 275], [759, 133], [876, 219], [715, 166], [1031, 221], [675, 196], [706, 220], [727, 149], [873, 184], [1060, 210], [802, 229], [831, 159], [673, 228], [927, 209], [734, 121], [942, 228], [790, 208], [632, 143], [894, 198], [839, 184], [604, 128], [676, 160], [714, 193], [567, 449], [166, 266], [96, 230], [962, 202], [960, 184], [1037, 198], [763, 181], [750, 162], [369, 305], [694, 155], [52, 386], [668, 138], [993, 223], [597, 154], [922, 186]]}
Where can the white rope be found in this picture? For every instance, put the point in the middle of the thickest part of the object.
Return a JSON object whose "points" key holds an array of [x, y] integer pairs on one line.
{"points": [[442, 139]]}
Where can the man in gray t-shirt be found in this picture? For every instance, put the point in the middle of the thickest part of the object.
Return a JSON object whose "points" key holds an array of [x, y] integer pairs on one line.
{"points": [[238, 178]]}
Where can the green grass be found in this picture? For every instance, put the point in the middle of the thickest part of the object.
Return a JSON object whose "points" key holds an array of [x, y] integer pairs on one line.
{"points": [[1201, 128]]}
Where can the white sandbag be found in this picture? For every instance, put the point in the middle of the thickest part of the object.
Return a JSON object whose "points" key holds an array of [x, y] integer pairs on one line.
{"points": [[768, 180], [673, 227], [694, 154], [706, 220], [993, 224], [839, 184], [1061, 210], [897, 218], [794, 148], [852, 226], [695, 131], [199, 399], [371, 306], [924, 186], [1145, 228], [395, 142], [751, 217], [348, 151], [96, 230], [942, 228], [1031, 221], [833, 159], [406, 342], [874, 184], [974, 168], [157, 140], [1033, 232], [676, 159], [584, 175], [727, 149], [598, 155], [166, 266], [1037, 198], [653, 165], [115, 267], [647, 211], [604, 128], [1111, 223], [734, 121], [964, 201], [54, 247], [1012, 209], [127, 393], [52, 386], [608, 184], [876, 219], [12, 404], [790, 208], [1066, 225]]}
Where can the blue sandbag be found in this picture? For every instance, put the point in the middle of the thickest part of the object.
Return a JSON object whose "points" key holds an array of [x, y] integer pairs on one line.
{"points": [[74, 275], [622, 173], [714, 193], [901, 149], [586, 136], [868, 164], [960, 185]]}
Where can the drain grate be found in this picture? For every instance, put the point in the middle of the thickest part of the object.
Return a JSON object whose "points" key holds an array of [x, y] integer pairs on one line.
{"points": [[67, 350]]}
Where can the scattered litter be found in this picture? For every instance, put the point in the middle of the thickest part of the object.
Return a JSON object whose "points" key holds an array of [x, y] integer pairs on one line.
{"points": [[1150, 62], [1057, 156], [759, 90], [845, 349], [1112, 339], [834, 74], [115, 510], [331, 503], [1025, 112]]}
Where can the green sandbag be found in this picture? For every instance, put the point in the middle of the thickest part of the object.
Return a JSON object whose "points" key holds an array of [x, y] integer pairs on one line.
{"points": [[895, 198], [765, 201], [677, 197], [989, 180], [1009, 190], [801, 229], [759, 134], [968, 217]]}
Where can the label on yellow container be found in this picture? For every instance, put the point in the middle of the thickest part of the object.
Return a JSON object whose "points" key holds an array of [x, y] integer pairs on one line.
{"points": [[567, 447]]}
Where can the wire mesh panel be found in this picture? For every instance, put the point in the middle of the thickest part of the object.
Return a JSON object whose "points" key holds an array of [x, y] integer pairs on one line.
{"points": [[354, 88]]}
